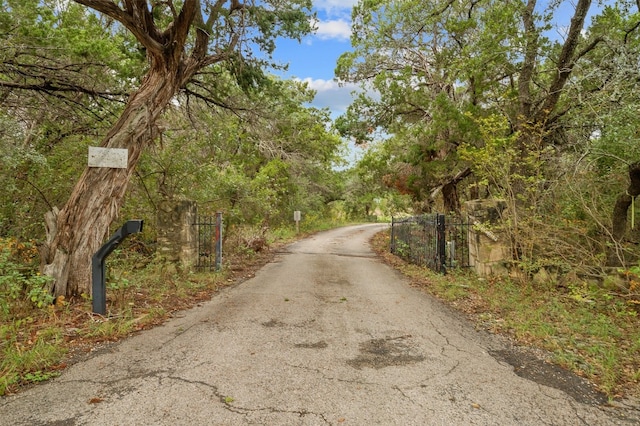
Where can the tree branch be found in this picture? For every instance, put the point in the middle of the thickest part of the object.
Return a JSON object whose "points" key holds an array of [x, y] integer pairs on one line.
{"points": [[531, 51], [50, 87], [566, 61], [632, 29], [136, 17]]}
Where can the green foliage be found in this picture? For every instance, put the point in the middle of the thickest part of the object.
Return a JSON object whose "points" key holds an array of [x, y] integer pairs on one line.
{"points": [[402, 249], [462, 84], [18, 285], [256, 165], [515, 177], [595, 335], [493, 161], [69, 71]]}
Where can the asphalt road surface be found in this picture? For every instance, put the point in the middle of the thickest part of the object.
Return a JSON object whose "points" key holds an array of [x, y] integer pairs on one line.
{"points": [[323, 335]]}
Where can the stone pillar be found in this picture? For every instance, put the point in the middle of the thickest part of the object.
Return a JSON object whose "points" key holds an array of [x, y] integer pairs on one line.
{"points": [[487, 251], [177, 235]]}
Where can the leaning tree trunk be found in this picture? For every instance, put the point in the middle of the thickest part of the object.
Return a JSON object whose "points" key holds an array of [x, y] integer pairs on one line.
{"points": [[450, 197], [620, 212], [79, 229]]}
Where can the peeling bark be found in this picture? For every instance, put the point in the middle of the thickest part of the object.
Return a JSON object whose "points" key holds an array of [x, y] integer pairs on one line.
{"points": [[82, 224]]}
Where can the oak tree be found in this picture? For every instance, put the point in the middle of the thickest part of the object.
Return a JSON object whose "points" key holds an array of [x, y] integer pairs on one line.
{"points": [[181, 42], [431, 67]]}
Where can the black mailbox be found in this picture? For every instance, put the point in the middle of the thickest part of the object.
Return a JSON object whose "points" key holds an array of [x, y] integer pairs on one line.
{"points": [[98, 287]]}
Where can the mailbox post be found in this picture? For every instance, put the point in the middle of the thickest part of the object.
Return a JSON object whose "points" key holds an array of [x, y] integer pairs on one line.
{"points": [[98, 287]]}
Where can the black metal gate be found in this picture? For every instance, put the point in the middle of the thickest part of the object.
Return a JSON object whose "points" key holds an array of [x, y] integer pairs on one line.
{"points": [[209, 242], [433, 240]]}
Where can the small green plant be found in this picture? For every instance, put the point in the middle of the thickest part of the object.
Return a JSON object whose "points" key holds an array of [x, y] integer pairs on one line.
{"points": [[19, 284], [39, 376], [402, 249], [121, 289]]}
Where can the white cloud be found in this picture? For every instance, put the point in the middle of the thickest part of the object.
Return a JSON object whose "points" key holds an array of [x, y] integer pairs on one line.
{"points": [[334, 29], [331, 95], [335, 7]]}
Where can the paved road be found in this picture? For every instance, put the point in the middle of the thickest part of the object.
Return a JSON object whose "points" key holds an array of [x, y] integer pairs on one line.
{"points": [[323, 335]]}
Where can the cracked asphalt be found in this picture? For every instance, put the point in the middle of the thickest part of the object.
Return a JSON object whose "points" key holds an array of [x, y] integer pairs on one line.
{"points": [[325, 334]]}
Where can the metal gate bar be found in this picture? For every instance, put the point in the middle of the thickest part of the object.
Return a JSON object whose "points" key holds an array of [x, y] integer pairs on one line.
{"points": [[431, 240], [209, 242]]}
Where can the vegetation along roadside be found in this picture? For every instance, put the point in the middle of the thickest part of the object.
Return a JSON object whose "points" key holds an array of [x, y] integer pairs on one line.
{"points": [[587, 330], [39, 339], [529, 105]]}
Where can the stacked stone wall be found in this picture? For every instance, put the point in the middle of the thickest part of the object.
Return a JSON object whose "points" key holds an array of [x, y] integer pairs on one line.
{"points": [[487, 249], [177, 235]]}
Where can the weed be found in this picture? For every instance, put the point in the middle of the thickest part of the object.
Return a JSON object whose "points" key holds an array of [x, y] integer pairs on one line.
{"points": [[121, 290], [39, 376], [26, 355], [109, 330]]}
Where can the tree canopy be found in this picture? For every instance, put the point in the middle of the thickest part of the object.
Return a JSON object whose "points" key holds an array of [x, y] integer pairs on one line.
{"points": [[120, 65], [463, 88]]}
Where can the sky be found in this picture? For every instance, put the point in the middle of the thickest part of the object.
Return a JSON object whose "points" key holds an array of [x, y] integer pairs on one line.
{"points": [[314, 59]]}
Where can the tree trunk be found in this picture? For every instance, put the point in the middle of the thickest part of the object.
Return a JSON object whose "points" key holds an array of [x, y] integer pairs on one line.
{"points": [[82, 224], [450, 197], [619, 217]]}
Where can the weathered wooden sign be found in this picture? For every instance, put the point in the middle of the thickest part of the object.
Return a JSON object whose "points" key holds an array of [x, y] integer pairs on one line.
{"points": [[115, 158]]}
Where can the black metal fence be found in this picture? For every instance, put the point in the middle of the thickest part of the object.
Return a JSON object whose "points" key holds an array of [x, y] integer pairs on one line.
{"points": [[437, 241], [209, 242]]}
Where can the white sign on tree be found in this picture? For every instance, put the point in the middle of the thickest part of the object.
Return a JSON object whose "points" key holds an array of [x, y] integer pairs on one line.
{"points": [[114, 158]]}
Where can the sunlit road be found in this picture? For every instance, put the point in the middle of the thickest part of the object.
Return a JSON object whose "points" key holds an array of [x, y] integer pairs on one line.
{"points": [[324, 334]]}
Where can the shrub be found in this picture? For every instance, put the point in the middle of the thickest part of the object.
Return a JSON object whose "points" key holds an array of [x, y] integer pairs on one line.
{"points": [[20, 284]]}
